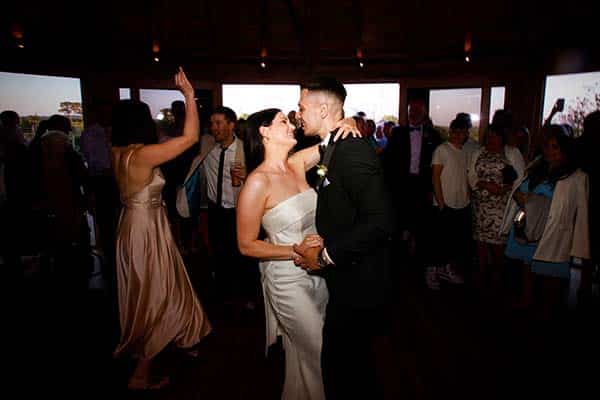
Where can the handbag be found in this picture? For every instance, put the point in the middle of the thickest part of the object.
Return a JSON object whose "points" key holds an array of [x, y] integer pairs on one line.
{"points": [[191, 195], [531, 220]]}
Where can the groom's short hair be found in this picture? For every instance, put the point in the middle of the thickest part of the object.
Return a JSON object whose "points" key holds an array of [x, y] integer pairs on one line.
{"points": [[328, 85]]}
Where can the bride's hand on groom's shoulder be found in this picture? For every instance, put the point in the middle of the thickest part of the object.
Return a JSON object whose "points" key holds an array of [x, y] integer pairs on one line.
{"points": [[346, 127]]}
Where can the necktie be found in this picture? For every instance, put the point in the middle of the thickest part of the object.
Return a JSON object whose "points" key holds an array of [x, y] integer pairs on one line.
{"points": [[220, 177]]}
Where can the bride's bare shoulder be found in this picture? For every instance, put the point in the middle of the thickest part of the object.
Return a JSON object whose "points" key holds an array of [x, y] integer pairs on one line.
{"points": [[257, 180]]}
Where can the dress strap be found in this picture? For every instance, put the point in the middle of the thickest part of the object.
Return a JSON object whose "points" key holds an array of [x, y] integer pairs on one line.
{"points": [[127, 158]]}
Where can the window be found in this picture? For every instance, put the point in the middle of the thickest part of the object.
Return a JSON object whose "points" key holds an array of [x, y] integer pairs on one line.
{"points": [[37, 97], [379, 101], [159, 101], [496, 99], [445, 104], [124, 93], [581, 93], [248, 99]]}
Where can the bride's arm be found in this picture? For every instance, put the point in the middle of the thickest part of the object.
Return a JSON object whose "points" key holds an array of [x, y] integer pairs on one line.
{"points": [[310, 156], [307, 158], [250, 209]]}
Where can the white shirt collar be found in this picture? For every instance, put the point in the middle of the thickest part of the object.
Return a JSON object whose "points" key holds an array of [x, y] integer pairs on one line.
{"points": [[231, 146], [325, 141]]}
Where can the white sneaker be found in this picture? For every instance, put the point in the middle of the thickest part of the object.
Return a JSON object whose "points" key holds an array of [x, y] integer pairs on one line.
{"points": [[431, 278], [448, 274]]}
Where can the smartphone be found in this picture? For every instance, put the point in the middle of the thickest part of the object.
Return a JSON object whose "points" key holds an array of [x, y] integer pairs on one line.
{"points": [[519, 218], [560, 105]]}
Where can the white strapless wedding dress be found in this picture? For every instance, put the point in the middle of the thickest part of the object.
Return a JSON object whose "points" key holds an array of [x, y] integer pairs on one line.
{"points": [[295, 301]]}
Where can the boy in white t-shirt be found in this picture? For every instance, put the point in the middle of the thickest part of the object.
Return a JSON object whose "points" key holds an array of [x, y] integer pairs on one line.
{"points": [[451, 198]]}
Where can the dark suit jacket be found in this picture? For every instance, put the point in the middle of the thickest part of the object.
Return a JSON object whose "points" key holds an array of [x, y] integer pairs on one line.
{"points": [[354, 216], [398, 151], [396, 162]]}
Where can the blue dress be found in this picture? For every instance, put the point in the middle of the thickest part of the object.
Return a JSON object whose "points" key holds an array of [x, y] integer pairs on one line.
{"points": [[525, 252]]}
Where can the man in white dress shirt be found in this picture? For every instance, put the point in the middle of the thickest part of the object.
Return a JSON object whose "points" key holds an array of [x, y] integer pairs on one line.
{"points": [[224, 168], [407, 166]]}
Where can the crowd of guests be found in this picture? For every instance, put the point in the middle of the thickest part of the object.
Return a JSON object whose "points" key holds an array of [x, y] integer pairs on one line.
{"points": [[468, 212], [465, 210]]}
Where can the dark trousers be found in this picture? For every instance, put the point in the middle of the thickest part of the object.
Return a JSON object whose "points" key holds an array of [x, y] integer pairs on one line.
{"points": [[10, 235], [452, 237], [106, 216], [413, 201], [348, 354], [235, 275]]}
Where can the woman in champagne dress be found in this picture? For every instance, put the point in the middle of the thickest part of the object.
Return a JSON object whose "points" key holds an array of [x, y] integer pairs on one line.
{"points": [[157, 303], [277, 197]]}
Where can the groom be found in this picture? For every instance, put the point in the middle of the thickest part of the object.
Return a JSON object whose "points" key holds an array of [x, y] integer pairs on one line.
{"points": [[354, 217]]}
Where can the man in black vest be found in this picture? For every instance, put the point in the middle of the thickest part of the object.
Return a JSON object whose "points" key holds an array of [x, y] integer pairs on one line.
{"points": [[354, 218]]}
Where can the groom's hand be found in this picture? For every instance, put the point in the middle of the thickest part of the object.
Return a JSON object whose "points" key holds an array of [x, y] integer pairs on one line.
{"points": [[312, 240], [308, 257]]}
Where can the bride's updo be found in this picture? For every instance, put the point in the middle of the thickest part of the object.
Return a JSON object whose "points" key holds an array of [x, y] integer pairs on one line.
{"points": [[253, 143]]}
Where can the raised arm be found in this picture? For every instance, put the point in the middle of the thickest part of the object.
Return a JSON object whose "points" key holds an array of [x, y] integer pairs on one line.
{"points": [[555, 110], [157, 154], [310, 156], [249, 211]]}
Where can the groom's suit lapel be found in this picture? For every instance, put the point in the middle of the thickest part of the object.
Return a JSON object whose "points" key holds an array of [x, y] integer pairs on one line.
{"points": [[325, 160]]}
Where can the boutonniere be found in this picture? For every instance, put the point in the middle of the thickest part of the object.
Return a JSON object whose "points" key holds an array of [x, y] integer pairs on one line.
{"points": [[321, 170]]}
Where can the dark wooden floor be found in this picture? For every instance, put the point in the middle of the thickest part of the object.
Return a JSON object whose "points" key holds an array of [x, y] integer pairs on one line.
{"points": [[447, 344]]}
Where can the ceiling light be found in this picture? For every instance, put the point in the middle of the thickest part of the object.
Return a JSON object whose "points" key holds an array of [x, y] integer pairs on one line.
{"points": [[468, 46], [361, 64], [156, 59], [17, 33], [263, 65]]}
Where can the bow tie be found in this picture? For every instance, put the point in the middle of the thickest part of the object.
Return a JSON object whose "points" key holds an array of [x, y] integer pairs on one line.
{"points": [[415, 128]]}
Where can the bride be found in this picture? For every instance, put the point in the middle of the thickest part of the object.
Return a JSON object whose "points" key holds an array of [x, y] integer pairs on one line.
{"points": [[277, 196]]}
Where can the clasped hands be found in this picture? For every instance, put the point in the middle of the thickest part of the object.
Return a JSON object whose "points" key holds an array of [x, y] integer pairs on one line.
{"points": [[307, 253]]}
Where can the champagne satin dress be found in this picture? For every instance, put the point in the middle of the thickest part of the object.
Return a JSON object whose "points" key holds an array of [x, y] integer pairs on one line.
{"points": [[157, 303]]}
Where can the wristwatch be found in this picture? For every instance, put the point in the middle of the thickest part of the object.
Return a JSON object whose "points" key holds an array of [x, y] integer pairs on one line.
{"points": [[321, 260]]}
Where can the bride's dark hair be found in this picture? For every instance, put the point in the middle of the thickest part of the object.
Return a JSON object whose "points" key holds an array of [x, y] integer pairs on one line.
{"points": [[253, 142]]}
